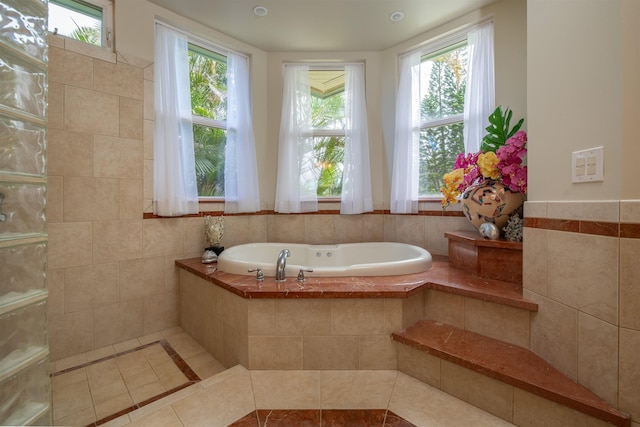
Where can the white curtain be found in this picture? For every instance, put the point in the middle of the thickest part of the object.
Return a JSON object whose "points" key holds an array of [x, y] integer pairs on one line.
{"points": [[405, 173], [479, 97], [297, 179], [241, 190], [175, 189], [356, 177]]}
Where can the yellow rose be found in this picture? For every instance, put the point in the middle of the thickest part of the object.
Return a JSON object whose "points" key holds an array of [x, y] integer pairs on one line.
{"points": [[488, 163]]}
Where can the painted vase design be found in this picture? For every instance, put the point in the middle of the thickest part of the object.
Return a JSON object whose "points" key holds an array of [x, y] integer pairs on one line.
{"points": [[490, 201]]}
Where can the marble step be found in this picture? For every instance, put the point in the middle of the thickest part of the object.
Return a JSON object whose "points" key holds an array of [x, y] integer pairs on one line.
{"points": [[445, 277], [507, 363], [491, 259]]}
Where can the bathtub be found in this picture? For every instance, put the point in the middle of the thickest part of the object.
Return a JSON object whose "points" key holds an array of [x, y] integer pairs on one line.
{"points": [[348, 259]]}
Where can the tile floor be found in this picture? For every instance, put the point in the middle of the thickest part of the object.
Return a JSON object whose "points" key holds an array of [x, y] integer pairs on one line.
{"points": [[170, 380]]}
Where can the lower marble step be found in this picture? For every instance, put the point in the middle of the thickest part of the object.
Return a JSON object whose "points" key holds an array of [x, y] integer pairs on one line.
{"points": [[509, 364]]}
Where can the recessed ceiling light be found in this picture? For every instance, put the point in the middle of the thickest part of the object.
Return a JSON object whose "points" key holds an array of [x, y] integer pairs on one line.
{"points": [[260, 10], [396, 16]]}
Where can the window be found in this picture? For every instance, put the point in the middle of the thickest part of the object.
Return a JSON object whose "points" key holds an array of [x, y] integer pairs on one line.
{"points": [[443, 76], [208, 80], [89, 21], [328, 128]]}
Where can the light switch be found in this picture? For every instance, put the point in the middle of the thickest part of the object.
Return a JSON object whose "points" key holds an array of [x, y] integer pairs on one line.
{"points": [[587, 165]]}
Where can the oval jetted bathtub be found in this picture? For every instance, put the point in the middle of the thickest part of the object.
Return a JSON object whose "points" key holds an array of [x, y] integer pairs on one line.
{"points": [[347, 259]]}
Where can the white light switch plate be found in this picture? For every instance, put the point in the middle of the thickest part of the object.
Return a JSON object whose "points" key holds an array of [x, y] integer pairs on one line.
{"points": [[587, 165]]}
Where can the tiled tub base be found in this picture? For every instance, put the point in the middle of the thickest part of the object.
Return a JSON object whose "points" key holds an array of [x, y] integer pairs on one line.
{"points": [[295, 333]]}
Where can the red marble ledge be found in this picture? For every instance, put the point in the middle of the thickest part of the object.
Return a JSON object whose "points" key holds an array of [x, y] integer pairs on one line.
{"points": [[508, 363], [441, 277], [401, 286]]}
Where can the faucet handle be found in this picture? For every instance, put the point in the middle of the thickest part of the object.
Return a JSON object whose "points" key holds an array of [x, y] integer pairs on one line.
{"points": [[259, 273], [301, 274]]}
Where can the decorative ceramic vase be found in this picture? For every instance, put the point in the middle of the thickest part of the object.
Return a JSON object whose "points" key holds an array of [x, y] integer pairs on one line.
{"points": [[490, 201]]}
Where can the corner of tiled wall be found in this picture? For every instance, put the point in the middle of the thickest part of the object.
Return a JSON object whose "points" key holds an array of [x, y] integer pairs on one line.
{"points": [[582, 270], [112, 275]]}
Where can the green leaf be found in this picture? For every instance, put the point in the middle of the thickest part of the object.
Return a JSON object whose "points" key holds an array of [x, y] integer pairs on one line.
{"points": [[498, 131]]}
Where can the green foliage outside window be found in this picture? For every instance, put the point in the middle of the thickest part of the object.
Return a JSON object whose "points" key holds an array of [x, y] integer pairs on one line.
{"points": [[440, 144]]}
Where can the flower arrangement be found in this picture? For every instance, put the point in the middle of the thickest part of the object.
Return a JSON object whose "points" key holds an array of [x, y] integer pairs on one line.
{"points": [[500, 159]]}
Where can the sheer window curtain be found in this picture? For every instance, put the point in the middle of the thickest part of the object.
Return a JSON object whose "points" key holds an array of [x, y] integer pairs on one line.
{"points": [[405, 173], [479, 97], [356, 178], [241, 189], [175, 189], [297, 178]]}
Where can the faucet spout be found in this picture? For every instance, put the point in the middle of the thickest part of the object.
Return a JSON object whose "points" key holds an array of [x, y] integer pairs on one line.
{"points": [[281, 263]]}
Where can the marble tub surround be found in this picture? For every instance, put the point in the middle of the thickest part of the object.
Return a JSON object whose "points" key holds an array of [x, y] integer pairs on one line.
{"points": [[581, 267]]}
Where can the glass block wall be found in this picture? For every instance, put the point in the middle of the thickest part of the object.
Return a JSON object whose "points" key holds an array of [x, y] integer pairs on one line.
{"points": [[25, 390]]}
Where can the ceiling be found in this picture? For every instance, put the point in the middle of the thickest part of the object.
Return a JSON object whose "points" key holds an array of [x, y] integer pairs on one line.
{"points": [[321, 25]]}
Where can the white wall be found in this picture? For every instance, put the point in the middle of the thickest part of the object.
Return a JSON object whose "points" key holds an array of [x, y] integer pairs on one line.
{"points": [[579, 73], [134, 35]]}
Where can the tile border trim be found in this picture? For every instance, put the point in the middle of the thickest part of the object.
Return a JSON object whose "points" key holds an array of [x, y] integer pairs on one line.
{"points": [[192, 377], [597, 228]]}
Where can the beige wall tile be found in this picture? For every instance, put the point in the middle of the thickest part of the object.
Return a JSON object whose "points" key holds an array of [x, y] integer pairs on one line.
{"points": [[535, 256], [131, 124], [69, 153], [357, 390], [593, 210], [347, 228], [90, 199], [419, 364], [236, 230], [129, 199], [357, 316], [70, 334], [194, 238], [163, 237], [530, 409], [373, 228], [598, 357], [70, 244], [91, 111], [118, 79], [55, 286], [262, 317], [537, 209], [70, 68], [486, 393], [147, 138], [486, 318], [389, 228], [258, 228], [330, 352], [54, 209], [377, 352], [630, 211], [286, 228], [117, 240], [160, 312], [147, 190], [554, 334], [141, 277], [275, 353], [117, 157], [55, 105], [593, 287], [119, 322], [90, 286], [318, 229], [444, 307], [148, 100], [629, 280], [630, 372], [411, 230], [303, 317], [286, 389], [412, 309]]}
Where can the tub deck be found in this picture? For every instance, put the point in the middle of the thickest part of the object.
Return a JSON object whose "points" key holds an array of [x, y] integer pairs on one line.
{"points": [[401, 286]]}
